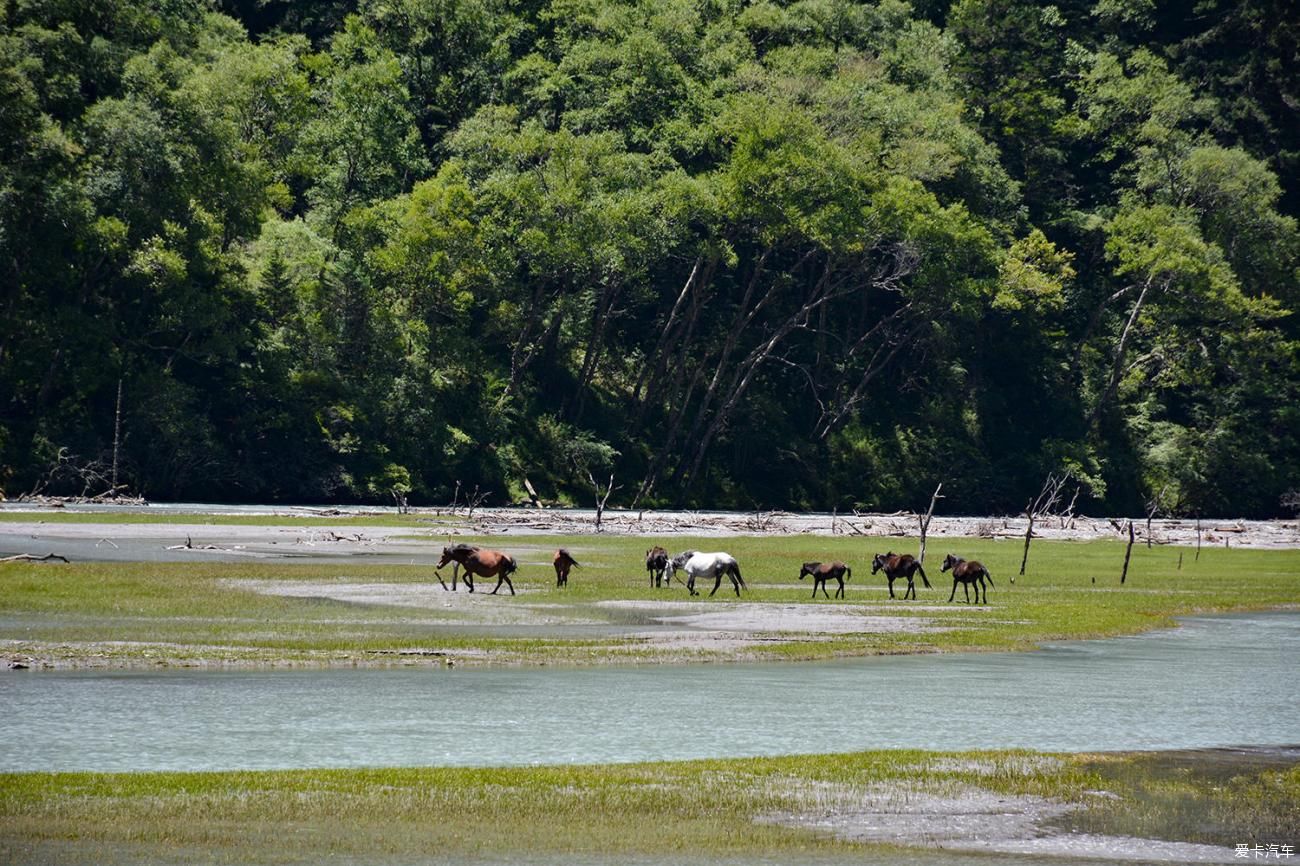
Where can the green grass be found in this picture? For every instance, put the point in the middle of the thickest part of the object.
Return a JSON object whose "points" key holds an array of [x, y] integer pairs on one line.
{"points": [[182, 612], [704, 808]]}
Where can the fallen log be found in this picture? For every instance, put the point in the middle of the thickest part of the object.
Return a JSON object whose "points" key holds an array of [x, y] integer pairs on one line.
{"points": [[31, 557]]}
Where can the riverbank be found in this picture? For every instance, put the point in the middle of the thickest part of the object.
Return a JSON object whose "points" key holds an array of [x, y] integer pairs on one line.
{"points": [[872, 807], [1229, 532]]}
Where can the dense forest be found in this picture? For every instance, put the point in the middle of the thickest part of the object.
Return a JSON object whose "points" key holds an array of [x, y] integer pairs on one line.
{"points": [[732, 253]]}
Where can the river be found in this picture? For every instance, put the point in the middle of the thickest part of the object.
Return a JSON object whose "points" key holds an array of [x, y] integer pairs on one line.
{"points": [[1213, 681]]}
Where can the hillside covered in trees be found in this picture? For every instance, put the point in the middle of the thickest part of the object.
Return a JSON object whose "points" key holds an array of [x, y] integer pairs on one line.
{"points": [[811, 254]]}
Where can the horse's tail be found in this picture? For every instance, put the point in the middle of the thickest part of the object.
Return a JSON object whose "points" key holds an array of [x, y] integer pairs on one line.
{"points": [[511, 566], [924, 579], [848, 572], [734, 568], [987, 575]]}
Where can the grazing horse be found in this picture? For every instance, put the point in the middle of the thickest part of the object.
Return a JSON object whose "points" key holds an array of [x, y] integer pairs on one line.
{"points": [[824, 571], [897, 566], [477, 561], [563, 562], [713, 565], [967, 574], [656, 562]]}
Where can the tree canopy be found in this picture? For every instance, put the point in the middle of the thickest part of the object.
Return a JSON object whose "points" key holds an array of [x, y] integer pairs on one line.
{"points": [[737, 253]]}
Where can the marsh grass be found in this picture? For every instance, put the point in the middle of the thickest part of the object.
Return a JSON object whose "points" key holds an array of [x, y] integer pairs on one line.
{"points": [[706, 808], [161, 612]]}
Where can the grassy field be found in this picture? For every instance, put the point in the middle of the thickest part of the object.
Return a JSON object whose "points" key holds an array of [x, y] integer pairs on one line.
{"points": [[128, 613], [702, 808]]}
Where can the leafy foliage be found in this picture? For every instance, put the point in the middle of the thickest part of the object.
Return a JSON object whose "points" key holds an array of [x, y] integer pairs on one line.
{"points": [[802, 254]]}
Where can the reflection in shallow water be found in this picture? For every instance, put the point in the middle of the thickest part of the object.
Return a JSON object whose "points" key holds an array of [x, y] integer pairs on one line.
{"points": [[1214, 681]]}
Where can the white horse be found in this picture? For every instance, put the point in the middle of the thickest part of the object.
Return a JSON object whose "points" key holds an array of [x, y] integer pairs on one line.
{"points": [[713, 565]]}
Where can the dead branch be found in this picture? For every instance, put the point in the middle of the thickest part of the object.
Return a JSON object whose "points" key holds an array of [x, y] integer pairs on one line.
{"points": [[1044, 504], [925, 522], [31, 557]]}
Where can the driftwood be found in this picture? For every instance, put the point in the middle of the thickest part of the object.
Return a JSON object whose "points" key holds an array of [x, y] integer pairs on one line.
{"points": [[31, 557]]}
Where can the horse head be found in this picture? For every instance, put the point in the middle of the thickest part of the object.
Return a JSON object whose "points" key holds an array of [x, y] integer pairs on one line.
{"points": [[879, 561], [808, 568], [951, 561], [446, 557]]}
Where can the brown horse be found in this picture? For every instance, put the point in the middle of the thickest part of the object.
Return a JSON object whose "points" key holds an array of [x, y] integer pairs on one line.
{"points": [[477, 561], [563, 562], [656, 561], [896, 566], [968, 574], [824, 571]]}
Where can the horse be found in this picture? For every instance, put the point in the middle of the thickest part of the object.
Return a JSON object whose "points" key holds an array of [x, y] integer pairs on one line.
{"points": [[563, 562], [824, 571], [656, 562], [477, 561], [897, 566], [713, 565], [967, 574]]}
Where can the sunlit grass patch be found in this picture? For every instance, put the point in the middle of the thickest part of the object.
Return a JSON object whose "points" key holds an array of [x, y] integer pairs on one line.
{"points": [[233, 611], [706, 808]]}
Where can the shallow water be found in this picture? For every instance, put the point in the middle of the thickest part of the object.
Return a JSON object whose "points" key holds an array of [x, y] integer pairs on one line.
{"points": [[1214, 681]]}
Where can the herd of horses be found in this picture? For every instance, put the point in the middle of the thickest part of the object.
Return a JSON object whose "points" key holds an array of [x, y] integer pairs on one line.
{"points": [[662, 568]]}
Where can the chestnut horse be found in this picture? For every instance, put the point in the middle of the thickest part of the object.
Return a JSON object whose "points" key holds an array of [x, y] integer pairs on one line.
{"points": [[824, 571], [968, 574], [898, 566], [477, 561], [656, 562], [563, 562]]}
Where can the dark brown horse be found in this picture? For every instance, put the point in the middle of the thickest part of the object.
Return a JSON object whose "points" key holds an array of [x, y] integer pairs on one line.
{"points": [[824, 571], [656, 561], [968, 574], [477, 561], [563, 562], [897, 566]]}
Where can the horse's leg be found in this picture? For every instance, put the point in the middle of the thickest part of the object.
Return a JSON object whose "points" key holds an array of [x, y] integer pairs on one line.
{"points": [[966, 589], [469, 578], [717, 582], [953, 594], [986, 591], [455, 569], [839, 593], [891, 585]]}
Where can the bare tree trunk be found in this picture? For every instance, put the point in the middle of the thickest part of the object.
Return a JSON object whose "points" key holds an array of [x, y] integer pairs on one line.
{"points": [[1029, 533], [117, 434], [1128, 551], [1095, 320], [925, 523], [1046, 501], [595, 346], [601, 500], [650, 369], [1121, 349]]}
